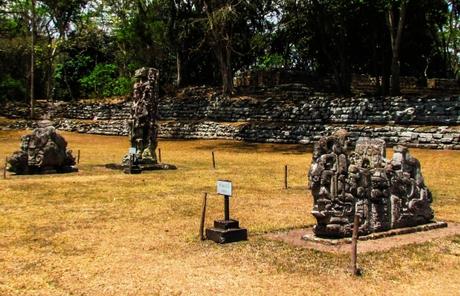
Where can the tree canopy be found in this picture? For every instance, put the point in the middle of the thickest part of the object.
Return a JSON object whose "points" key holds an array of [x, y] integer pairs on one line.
{"points": [[90, 48]]}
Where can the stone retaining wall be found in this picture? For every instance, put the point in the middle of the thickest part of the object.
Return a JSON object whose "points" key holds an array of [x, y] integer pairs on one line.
{"points": [[286, 114], [433, 137], [293, 107]]}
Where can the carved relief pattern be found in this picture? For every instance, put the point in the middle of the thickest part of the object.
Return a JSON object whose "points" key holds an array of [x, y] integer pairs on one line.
{"points": [[44, 149], [385, 193], [143, 124]]}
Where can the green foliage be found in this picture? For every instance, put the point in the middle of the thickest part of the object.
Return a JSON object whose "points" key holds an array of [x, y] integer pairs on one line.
{"points": [[91, 48], [67, 75], [103, 82], [11, 89], [270, 61]]}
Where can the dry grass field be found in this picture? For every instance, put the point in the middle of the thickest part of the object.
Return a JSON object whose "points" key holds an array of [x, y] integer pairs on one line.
{"points": [[101, 232]]}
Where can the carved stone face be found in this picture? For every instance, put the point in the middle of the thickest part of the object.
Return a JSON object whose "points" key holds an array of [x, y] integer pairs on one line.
{"points": [[44, 149]]}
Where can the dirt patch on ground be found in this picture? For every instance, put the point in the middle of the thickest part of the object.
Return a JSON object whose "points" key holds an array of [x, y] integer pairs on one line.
{"points": [[294, 237]]}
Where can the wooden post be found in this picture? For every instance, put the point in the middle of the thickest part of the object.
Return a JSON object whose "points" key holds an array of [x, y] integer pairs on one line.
{"points": [[354, 246], [285, 177], [203, 216], [159, 155], [213, 160], [4, 168], [78, 156]]}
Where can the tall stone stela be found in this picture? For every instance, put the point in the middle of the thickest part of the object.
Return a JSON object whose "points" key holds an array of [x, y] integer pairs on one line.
{"points": [[143, 127], [143, 124], [385, 193]]}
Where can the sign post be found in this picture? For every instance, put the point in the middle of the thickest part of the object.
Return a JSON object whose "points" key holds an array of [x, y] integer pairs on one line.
{"points": [[225, 188], [227, 230]]}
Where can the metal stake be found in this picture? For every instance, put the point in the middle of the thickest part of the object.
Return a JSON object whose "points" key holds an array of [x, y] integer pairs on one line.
{"points": [[78, 156], [159, 155]]}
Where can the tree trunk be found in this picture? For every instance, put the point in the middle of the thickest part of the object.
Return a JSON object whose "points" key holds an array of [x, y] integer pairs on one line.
{"points": [[374, 63], [32, 64], [48, 85], [228, 80], [345, 75], [395, 74], [396, 31], [385, 77], [179, 69], [222, 49], [224, 60]]}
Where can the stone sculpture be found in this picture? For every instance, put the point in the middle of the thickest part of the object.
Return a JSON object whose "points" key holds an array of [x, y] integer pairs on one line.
{"points": [[143, 126], [43, 151], [385, 193]]}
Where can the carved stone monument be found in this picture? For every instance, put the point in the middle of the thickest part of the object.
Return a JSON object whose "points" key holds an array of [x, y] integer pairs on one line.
{"points": [[386, 193], [43, 151], [143, 127]]}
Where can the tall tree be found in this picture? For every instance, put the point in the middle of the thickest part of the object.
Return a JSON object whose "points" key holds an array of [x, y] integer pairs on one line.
{"points": [[58, 15], [396, 15], [32, 61], [220, 16], [321, 33], [450, 35], [179, 32]]}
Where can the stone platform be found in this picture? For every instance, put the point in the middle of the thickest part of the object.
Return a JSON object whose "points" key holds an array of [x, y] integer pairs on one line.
{"points": [[377, 242], [149, 167], [226, 231], [376, 235]]}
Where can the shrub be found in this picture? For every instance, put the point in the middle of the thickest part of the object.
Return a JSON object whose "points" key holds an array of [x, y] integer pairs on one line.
{"points": [[270, 61], [103, 82], [11, 89]]}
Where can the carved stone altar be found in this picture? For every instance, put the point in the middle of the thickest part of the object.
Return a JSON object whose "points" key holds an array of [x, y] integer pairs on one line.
{"points": [[43, 151], [386, 193], [143, 126]]}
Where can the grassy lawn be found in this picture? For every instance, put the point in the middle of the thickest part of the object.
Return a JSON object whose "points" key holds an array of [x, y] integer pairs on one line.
{"points": [[101, 232]]}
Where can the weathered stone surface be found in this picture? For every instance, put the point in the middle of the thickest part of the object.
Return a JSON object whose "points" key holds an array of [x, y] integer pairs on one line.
{"points": [[262, 131], [385, 193], [285, 114], [42, 151], [142, 125]]}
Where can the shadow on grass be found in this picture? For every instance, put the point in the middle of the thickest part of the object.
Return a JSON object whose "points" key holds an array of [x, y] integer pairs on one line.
{"points": [[245, 147]]}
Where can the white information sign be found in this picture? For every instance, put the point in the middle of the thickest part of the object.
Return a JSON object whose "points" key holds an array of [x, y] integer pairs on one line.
{"points": [[132, 150], [224, 187]]}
